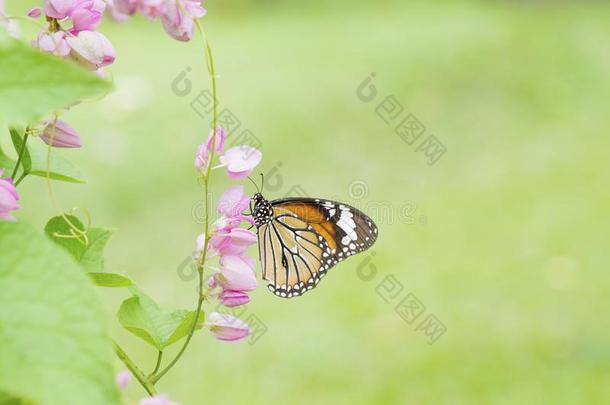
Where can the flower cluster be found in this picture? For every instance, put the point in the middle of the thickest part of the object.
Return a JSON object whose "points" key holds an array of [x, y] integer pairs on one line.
{"points": [[177, 16], [8, 198], [71, 32], [235, 276]]}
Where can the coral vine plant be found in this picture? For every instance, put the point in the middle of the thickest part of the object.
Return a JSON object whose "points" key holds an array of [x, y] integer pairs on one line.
{"points": [[67, 260]]}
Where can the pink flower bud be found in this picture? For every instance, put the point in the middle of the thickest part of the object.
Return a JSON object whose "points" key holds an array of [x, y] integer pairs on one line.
{"points": [[64, 136], [178, 19], [8, 198], [91, 49], [199, 247], [35, 12], [227, 328], [232, 298], [204, 150], [240, 160], [54, 43]]}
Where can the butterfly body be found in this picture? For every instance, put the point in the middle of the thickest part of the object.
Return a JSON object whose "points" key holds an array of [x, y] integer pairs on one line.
{"points": [[300, 239]]}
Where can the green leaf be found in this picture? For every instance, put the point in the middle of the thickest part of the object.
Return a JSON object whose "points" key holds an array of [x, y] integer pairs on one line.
{"points": [[26, 161], [110, 280], [61, 168], [89, 255], [33, 84], [142, 316], [56, 347]]}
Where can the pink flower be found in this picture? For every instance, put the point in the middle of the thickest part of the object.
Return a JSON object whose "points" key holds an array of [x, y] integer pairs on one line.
{"points": [[92, 49], [233, 202], [232, 298], [64, 136], [240, 160], [86, 15], [121, 10], [178, 18], [157, 400], [236, 273], [123, 379], [8, 198], [153, 8], [204, 150], [54, 43], [35, 12], [234, 241], [227, 328], [59, 9]]}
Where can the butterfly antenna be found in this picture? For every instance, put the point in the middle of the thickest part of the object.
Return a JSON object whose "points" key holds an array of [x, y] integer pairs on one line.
{"points": [[262, 182], [255, 185]]}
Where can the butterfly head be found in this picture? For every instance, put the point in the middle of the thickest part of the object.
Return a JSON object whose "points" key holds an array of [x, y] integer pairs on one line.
{"points": [[262, 212]]}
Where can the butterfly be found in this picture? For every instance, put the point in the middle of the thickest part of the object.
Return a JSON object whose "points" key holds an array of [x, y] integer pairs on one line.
{"points": [[300, 239]]}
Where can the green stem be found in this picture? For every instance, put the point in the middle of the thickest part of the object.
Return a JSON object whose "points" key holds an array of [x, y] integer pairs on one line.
{"points": [[148, 386], [206, 180], [20, 179], [21, 154], [159, 357], [154, 379]]}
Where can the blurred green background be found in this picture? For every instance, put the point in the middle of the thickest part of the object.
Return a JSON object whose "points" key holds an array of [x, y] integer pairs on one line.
{"points": [[504, 239]]}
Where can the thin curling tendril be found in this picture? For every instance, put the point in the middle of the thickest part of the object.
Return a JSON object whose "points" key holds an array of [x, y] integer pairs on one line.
{"points": [[75, 232]]}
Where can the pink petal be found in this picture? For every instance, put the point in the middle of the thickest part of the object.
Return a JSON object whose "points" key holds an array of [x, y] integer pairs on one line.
{"points": [[193, 7], [153, 8], [236, 274], [221, 136], [232, 242], [227, 328], [200, 245], [52, 43], [35, 12], [233, 201], [64, 136], [240, 160], [121, 10], [59, 9], [85, 20], [233, 298], [178, 20], [8, 199], [92, 49]]}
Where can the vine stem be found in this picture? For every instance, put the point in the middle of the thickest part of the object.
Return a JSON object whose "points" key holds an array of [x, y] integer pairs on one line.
{"points": [[206, 179], [148, 386]]}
